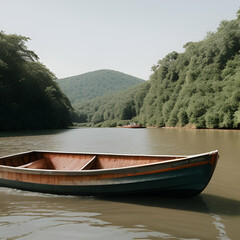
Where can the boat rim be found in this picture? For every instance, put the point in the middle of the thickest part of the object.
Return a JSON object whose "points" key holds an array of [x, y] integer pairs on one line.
{"points": [[97, 171]]}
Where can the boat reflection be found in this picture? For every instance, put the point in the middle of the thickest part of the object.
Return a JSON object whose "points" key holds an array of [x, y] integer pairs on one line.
{"points": [[203, 203]]}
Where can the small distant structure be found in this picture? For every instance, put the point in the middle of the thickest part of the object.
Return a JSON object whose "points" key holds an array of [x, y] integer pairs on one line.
{"points": [[133, 125]]}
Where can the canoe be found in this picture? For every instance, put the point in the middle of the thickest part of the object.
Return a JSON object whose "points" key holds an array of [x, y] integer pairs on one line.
{"points": [[107, 174]]}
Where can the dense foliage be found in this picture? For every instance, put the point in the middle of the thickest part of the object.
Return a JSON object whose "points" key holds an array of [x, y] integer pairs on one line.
{"points": [[95, 84], [198, 88], [114, 109], [29, 96]]}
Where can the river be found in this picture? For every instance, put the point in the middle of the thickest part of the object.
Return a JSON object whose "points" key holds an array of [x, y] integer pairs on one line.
{"points": [[214, 214]]}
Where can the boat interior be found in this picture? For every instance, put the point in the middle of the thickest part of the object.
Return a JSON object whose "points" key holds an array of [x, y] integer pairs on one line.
{"points": [[71, 161]]}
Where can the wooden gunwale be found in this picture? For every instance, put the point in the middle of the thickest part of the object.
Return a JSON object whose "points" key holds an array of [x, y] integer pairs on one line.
{"points": [[123, 171]]}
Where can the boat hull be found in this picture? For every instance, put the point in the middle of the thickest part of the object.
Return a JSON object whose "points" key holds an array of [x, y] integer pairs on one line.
{"points": [[133, 126], [182, 183], [184, 178]]}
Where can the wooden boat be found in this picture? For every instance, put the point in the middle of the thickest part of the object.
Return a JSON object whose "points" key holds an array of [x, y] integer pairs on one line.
{"points": [[107, 174], [133, 125]]}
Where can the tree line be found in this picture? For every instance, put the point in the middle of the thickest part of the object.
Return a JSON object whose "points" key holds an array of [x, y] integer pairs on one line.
{"points": [[197, 88], [29, 95]]}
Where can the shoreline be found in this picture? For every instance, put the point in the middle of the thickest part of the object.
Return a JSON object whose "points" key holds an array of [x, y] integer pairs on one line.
{"points": [[192, 128]]}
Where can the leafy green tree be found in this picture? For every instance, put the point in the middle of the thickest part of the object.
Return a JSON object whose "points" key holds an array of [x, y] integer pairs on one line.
{"points": [[182, 117], [29, 96]]}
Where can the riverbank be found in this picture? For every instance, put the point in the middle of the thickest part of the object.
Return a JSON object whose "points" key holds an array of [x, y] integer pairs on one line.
{"points": [[189, 126]]}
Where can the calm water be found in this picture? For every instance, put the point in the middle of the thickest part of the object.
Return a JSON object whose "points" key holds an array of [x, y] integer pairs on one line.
{"points": [[215, 214]]}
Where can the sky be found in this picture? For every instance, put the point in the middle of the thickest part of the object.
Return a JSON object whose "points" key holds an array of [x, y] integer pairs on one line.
{"points": [[72, 37]]}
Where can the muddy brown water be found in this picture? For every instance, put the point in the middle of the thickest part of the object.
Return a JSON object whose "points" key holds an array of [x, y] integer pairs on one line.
{"points": [[214, 214]]}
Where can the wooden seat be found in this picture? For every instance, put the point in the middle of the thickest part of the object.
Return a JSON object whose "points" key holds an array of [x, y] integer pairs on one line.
{"points": [[38, 164], [48, 164], [67, 162], [89, 164]]}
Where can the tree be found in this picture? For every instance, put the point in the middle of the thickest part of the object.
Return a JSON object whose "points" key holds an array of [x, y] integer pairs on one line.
{"points": [[29, 96]]}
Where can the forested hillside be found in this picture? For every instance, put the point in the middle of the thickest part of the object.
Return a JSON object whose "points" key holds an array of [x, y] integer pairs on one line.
{"points": [[113, 109], [95, 84], [198, 88], [29, 96]]}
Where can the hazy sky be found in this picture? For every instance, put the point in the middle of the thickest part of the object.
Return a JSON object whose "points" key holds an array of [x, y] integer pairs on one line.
{"points": [[72, 37]]}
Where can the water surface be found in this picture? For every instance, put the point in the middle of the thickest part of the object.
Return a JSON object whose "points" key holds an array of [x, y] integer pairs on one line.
{"points": [[215, 214]]}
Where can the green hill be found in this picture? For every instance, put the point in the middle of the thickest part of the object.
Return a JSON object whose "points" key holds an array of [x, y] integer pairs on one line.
{"points": [[198, 88], [29, 96], [94, 84], [113, 109]]}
